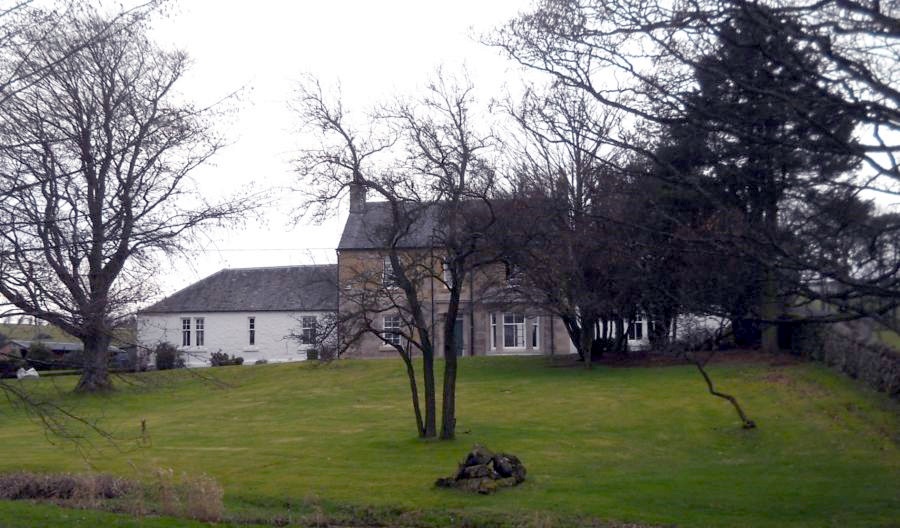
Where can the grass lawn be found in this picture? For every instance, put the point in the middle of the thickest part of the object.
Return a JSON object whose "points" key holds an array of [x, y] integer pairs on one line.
{"points": [[646, 445]]}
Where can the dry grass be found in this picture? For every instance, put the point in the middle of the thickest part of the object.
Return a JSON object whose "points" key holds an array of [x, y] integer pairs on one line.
{"points": [[186, 496]]}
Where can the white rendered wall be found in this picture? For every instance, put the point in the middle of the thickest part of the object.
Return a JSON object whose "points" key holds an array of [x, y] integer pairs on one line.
{"points": [[228, 332]]}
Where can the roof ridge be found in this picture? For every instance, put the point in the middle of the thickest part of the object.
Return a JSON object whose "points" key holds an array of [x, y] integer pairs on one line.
{"points": [[291, 266]]}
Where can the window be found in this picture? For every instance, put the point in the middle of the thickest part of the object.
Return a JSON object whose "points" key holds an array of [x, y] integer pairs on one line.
{"points": [[536, 333], [251, 325], [199, 326], [186, 331], [391, 329], [308, 328], [448, 277], [636, 329], [493, 331], [513, 330], [389, 276]]}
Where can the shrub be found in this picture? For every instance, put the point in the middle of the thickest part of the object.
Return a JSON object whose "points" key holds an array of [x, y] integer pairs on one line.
{"points": [[221, 359], [168, 357], [261, 361], [325, 351]]}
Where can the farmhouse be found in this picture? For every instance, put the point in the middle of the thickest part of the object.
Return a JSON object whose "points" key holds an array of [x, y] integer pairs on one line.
{"points": [[269, 314], [490, 321]]}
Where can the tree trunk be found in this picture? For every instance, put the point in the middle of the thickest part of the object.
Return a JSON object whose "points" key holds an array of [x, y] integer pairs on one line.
{"points": [[430, 400], [621, 337], [769, 312], [414, 388], [574, 331], [95, 376], [586, 342], [448, 411]]}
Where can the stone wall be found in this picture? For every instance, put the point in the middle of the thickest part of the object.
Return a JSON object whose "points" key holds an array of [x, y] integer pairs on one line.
{"points": [[852, 349]]}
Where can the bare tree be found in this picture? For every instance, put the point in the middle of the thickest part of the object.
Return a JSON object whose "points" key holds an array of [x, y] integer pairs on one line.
{"points": [[434, 186], [95, 155], [577, 261]]}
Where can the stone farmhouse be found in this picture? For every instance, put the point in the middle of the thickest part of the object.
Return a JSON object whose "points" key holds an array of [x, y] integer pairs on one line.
{"points": [[490, 321], [273, 313]]}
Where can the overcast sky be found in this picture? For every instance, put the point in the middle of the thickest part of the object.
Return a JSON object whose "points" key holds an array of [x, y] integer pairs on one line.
{"points": [[261, 49]]}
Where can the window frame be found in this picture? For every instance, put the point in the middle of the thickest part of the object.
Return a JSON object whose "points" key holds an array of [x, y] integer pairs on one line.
{"points": [[391, 335], [534, 335], [636, 329], [200, 331], [308, 334], [388, 273], [493, 330], [518, 327], [446, 275], [185, 331], [251, 330]]}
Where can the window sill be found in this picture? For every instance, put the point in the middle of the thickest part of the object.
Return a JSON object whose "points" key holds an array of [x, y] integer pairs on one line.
{"points": [[250, 349]]}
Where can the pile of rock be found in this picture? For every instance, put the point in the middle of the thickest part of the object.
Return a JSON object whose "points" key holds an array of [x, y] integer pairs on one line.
{"points": [[485, 472]]}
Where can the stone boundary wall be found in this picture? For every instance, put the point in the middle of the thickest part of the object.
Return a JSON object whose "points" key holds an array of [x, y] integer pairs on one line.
{"points": [[851, 348]]}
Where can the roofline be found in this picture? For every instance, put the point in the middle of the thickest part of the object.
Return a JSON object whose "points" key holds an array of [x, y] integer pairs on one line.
{"points": [[385, 248], [273, 267], [141, 312]]}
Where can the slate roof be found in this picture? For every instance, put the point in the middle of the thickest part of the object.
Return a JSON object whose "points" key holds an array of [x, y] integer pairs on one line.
{"points": [[279, 289], [369, 229]]}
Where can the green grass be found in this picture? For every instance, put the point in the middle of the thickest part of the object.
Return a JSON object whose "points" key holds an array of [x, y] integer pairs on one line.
{"points": [[638, 444]]}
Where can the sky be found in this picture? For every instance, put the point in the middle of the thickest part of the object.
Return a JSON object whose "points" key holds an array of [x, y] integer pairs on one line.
{"points": [[259, 51]]}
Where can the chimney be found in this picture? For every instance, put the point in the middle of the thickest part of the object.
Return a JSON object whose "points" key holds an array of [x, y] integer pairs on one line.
{"points": [[357, 197]]}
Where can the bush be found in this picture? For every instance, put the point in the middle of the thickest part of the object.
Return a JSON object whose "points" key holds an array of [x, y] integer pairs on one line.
{"points": [[326, 352], [221, 359], [168, 357], [261, 361]]}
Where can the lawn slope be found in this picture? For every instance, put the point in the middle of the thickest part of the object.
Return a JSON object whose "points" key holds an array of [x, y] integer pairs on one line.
{"points": [[630, 444]]}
